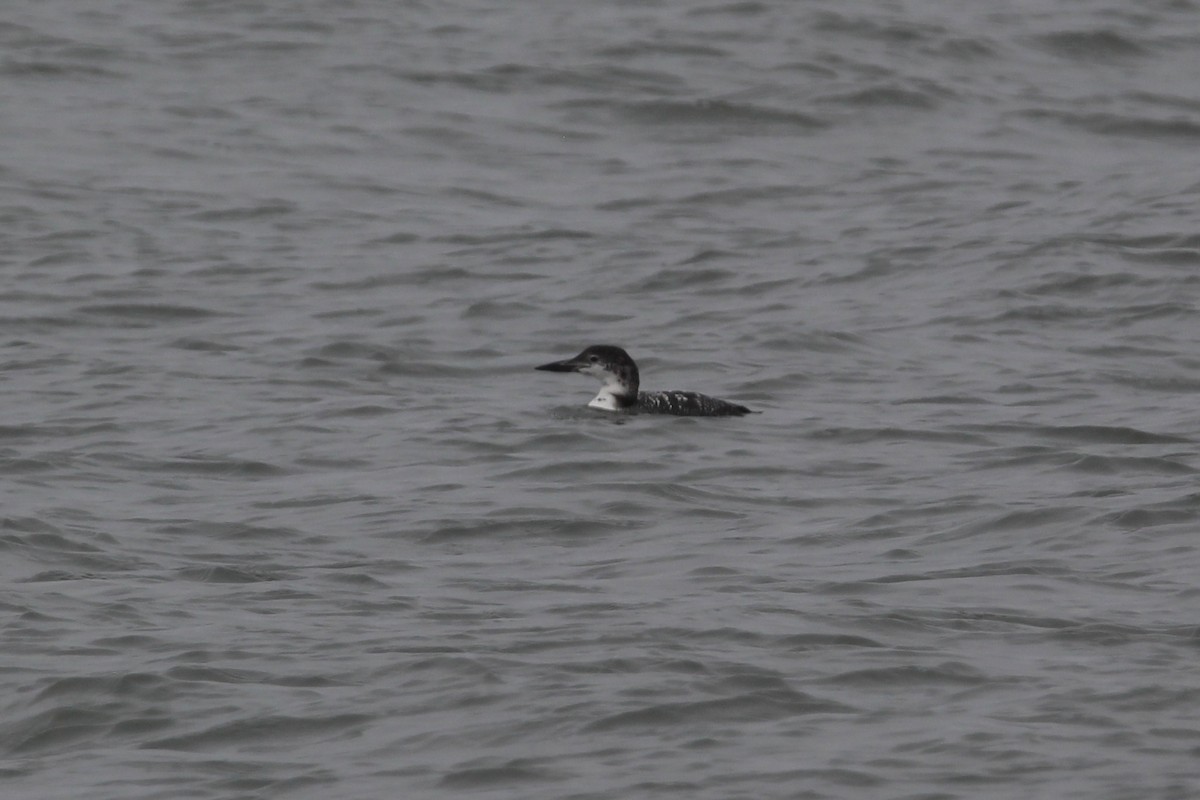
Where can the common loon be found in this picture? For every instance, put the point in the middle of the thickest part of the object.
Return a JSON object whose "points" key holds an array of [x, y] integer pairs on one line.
{"points": [[620, 391]]}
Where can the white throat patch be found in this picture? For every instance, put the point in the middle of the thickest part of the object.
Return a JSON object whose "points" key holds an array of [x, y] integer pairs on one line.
{"points": [[606, 400]]}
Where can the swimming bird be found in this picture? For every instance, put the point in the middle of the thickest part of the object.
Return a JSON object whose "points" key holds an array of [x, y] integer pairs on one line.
{"points": [[619, 373]]}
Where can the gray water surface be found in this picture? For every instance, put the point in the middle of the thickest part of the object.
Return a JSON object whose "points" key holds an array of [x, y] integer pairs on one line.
{"points": [[288, 514]]}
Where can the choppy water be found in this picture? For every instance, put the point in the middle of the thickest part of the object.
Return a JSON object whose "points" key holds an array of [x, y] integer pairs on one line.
{"points": [[287, 514]]}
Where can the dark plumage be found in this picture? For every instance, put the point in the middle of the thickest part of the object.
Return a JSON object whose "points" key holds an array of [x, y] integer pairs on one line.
{"points": [[617, 370]]}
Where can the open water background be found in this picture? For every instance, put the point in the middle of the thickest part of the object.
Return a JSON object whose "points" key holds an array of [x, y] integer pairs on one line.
{"points": [[286, 513]]}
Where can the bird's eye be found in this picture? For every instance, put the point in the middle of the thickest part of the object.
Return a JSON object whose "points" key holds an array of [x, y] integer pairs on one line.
{"points": [[594, 359]]}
